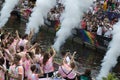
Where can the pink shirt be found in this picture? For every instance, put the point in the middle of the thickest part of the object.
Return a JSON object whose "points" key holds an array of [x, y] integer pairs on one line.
{"points": [[23, 42], [37, 56], [15, 41], [65, 71], [49, 66], [12, 48], [27, 65], [12, 70], [22, 54], [6, 54], [41, 59]]}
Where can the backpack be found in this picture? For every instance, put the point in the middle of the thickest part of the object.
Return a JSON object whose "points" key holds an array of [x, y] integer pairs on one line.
{"points": [[84, 78]]}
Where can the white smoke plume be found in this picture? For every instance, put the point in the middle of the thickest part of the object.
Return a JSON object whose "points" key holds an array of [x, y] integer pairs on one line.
{"points": [[70, 19], [110, 59], [39, 13], [6, 10]]}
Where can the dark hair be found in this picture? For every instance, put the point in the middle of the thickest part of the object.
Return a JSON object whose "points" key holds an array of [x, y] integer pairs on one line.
{"points": [[42, 52], [87, 72], [2, 61], [63, 53], [25, 36], [21, 48], [11, 39], [72, 64], [37, 50], [5, 45], [2, 36], [46, 58], [51, 52], [33, 68], [31, 54]]}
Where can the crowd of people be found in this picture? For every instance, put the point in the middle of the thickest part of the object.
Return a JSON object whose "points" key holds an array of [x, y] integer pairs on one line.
{"points": [[22, 60], [99, 19], [25, 7]]}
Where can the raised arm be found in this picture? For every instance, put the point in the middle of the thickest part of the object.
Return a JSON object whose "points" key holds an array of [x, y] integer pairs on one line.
{"points": [[9, 55], [18, 37], [72, 58], [1, 54], [30, 35], [30, 58], [54, 52], [32, 47], [6, 37]]}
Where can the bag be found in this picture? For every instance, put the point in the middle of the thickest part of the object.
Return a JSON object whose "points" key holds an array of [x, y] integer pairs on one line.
{"points": [[84, 78]]}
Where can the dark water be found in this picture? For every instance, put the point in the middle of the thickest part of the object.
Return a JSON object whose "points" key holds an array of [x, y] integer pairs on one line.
{"points": [[85, 57]]}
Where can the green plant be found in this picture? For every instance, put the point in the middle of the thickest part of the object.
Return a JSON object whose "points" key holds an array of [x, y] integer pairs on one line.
{"points": [[110, 76]]}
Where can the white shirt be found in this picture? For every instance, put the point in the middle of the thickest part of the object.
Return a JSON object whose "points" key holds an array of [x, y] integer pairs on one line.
{"points": [[68, 60], [108, 33], [118, 0], [99, 30]]}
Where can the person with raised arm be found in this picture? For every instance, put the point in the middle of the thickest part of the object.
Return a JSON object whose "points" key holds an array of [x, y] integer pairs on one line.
{"points": [[19, 70], [34, 75], [67, 71], [48, 67], [25, 40]]}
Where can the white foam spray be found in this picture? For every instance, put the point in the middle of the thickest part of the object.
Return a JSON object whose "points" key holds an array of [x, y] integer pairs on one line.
{"points": [[110, 59], [70, 19], [39, 13], [6, 10]]}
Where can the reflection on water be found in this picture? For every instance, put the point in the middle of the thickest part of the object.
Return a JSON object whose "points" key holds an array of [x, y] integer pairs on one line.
{"points": [[85, 57], [15, 25]]}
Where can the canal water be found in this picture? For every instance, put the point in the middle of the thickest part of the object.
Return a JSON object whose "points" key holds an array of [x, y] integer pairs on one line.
{"points": [[85, 57]]}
